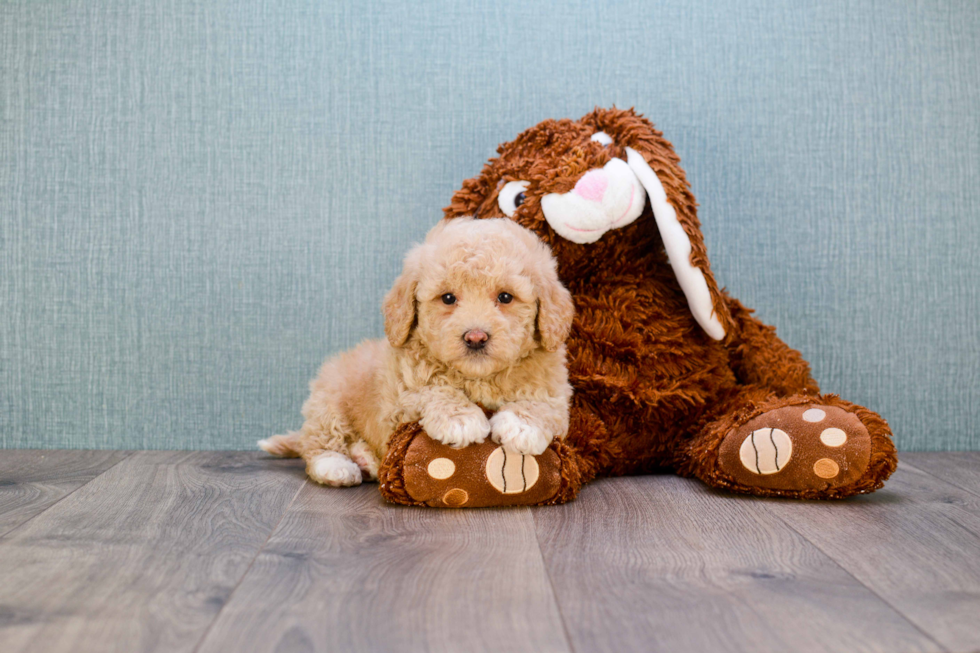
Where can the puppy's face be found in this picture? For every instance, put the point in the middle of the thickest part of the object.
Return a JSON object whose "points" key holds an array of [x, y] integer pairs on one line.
{"points": [[479, 296], [480, 320]]}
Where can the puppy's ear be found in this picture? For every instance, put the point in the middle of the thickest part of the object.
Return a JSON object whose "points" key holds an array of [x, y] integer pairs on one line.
{"points": [[555, 307], [399, 303]]}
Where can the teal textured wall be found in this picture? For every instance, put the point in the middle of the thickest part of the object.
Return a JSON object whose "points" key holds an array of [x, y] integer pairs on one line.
{"points": [[201, 200]]}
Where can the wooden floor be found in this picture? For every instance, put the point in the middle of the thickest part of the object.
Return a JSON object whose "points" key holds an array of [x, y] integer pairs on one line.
{"points": [[217, 551]]}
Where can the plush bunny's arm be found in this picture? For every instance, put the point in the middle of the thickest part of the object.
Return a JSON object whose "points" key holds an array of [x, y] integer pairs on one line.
{"points": [[759, 357]]}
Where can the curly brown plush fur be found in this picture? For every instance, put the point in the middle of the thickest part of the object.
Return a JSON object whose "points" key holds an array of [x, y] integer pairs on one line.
{"points": [[653, 390]]}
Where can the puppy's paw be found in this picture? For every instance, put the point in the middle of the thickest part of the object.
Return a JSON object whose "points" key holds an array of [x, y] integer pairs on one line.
{"points": [[458, 429], [361, 453], [517, 434], [334, 469]]}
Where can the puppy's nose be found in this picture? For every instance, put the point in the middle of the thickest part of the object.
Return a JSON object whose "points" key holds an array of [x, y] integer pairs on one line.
{"points": [[476, 339], [592, 185]]}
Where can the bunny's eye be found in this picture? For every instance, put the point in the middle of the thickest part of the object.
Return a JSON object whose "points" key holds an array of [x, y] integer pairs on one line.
{"points": [[511, 196], [602, 138]]}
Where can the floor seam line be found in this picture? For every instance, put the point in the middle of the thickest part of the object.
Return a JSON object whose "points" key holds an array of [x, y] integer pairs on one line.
{"points": [[551, 584], [127, 456], [248, 569], [860, 582], [939, 478]]}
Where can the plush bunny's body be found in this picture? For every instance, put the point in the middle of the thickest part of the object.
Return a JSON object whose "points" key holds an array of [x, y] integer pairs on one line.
{"points": [[669, 372]]}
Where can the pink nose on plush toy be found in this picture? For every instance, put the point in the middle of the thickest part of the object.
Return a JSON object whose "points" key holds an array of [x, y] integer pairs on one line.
{"points": [[592, 185]]}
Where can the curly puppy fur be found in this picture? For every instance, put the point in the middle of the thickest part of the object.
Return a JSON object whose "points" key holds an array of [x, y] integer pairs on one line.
{"points": [[477, 316], [653, 390]]}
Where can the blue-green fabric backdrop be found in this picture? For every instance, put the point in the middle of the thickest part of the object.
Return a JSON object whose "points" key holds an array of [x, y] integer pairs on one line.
{"points": [[200, 200]]}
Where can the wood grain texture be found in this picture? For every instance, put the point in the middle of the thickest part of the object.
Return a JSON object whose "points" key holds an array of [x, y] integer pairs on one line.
{"points": [[168, 551], [33, 480], [661, 563], [961, 468], [144, 556], [346, 572], [915, 543]]}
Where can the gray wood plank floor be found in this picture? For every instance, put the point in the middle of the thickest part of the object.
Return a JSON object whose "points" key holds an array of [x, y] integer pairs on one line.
{"points": [[33, 481], [216, 551], [678, 568], [961, 468], [143, 557], [915, 543], [346, 572]]}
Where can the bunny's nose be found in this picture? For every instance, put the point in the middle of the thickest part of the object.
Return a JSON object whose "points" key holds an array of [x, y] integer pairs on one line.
{"points": [[592, 186], [476, 339]]}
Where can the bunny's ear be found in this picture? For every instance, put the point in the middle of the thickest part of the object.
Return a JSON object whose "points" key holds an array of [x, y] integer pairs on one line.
{"points": [[653, 160], [696, 281]]}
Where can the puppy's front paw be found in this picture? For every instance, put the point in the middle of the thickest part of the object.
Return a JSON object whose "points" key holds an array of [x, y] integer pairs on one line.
{"points": [[334, 469], [518, 435], [457, 429], [363, 456]]}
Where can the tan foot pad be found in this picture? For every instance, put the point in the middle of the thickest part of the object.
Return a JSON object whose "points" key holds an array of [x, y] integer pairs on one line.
{"points": [[808, 447], [478, 476]]}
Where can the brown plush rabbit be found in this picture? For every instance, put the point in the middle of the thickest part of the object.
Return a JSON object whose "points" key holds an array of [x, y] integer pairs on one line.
{"points": [[669, 372]]}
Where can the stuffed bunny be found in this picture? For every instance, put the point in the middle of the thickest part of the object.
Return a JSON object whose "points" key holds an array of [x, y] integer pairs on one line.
{"points": [[669, 372]]}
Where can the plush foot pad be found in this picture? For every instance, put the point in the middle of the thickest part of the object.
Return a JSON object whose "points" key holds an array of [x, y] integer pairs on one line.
{"points": [[807, 447], [478, 475]]}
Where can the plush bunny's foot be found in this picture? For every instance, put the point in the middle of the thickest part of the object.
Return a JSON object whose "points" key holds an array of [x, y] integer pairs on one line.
{"points": [[809, 447], [420, 471], [803, 447]]}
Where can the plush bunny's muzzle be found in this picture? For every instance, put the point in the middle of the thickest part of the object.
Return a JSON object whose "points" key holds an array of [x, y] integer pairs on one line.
{"points": [[603, 199]]}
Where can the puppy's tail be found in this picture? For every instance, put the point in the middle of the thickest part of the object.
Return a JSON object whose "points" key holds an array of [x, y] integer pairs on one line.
{"points": [[286, 446]]}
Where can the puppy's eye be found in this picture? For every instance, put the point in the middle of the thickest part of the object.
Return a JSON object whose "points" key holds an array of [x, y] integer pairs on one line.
{"points": [[505, 298], [511, 196], [449, 298]]}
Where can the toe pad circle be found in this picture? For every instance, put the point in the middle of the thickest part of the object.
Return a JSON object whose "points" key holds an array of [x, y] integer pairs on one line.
{"points": [[766, 451]]}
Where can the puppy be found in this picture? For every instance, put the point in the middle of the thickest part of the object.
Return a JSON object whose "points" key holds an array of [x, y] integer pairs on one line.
{"points": [[478, 316]]}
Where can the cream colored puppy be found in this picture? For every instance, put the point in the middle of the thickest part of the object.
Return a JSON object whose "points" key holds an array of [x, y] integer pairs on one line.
{"points": [[477, 316]]}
